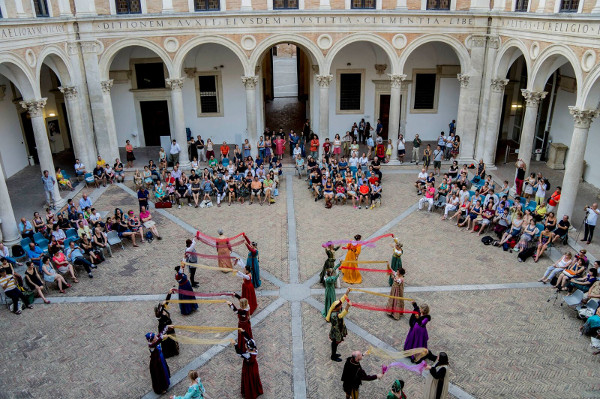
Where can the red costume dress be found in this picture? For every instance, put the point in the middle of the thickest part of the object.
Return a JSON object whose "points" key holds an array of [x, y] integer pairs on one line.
{"points": [[248, 291], [243, 323]]}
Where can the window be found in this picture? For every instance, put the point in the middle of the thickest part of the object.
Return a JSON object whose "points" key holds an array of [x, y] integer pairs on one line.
{"points": [[363, 4], [285, 4], [350, 91], [438, 4], [129, 7], [150, 75], [425, 91], [41, 8], [207, 5], [569, 5], [521, 5], [209, 94]]}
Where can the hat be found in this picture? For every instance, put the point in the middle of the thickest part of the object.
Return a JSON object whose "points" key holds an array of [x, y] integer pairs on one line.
{"points": [[335, 305], [397, 386], [150, 337]]}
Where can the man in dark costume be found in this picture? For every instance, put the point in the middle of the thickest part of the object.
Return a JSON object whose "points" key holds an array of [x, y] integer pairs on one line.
{"points": [[353, 375]]}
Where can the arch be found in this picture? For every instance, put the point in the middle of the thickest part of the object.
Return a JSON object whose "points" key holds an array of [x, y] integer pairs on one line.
{"points": [[508, 54], [58, 62], [549, 61], [299, 40], [459, 49], [590, 91], [363, 37], [109, 54], [17, 71], [188, 46]]}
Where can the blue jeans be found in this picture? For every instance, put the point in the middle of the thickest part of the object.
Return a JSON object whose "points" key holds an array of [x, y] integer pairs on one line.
{"points": [[10, 260]]}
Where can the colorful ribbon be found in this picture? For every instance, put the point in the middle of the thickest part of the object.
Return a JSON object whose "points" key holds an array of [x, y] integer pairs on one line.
{"points": [[417, 368], [383, 295], [207, 294], [212, 241], [197, 265], [365, 261], [388, 271], [206, 329], [198, 301], [195, 341], [397, 355], [208, 256], [380, 309], [367, 243]]}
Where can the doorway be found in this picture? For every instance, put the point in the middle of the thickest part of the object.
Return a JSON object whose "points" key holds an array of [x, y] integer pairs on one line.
{"points": [[384, 113], [155, 121], [29, 136]]}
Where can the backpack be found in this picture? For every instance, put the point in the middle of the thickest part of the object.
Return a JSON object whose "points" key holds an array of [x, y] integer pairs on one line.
{"points": [[547, 183], [17, 251], [149, 236], [487, 240]]}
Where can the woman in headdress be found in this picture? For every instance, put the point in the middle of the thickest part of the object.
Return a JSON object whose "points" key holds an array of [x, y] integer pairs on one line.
{"points": [[397, 290], [224, 251], [397, 392], [338, 331], [252, 261], [352, 276], [159, 370], [185, 285], [417, 335], [243, 314], [330, 281], [251, 386], [396, 258], [436, 381], [329, 263], [170, 347], [248, 289]]}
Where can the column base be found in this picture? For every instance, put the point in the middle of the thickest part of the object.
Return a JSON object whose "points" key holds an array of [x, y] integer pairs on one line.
{"points": [[60, 203], [490, 166], [393, 162], [185, 166], [11, 242]]}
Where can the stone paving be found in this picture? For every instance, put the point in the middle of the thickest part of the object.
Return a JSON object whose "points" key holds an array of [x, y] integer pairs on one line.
{"points": [[90, 343]]}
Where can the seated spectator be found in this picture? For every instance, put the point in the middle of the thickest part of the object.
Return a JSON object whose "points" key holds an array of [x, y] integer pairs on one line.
{"points": [[515, 228], [135, 226], [591, 327], [529, 232], [207, 188], [110, 173], [39, 224], [328, 192], [364, 193], [79, 168], [84, 202], [340, 192], [83, 229], [542, 245], [269, 187], [100, 161], [159, 192], [550, 221], [149, 224], [562, 229], [95, 217], [574, 270], [62, 223], [100, 242], [5, 254], [119, 171], [51, 276], [9, 285], [557, 267], [540, 212], [147, 177], [474, 213], [35, 254], [220, 186], [170, 183], [54, 245], [583, 283], [182, 190], [256, 186], [421, 180], [87, 246], [492, 198], [99, 175], [63, 266], [143, 196], [34, 281], [505, 189], [75, 256], [299, 164], [376, 190], [10, 270], [26, 229], [594, 291], [60, 178], [451, 205], [195, 185], [486, 218]]}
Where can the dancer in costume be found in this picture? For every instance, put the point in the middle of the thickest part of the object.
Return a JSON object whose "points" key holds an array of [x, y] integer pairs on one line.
{"points": [[397, 392], [396, 258], [196, 390], [329, 263], [251, 384], [247, 288], [338, 331], [330, 281], [397, 290], [353, 375], [159, 370], [224, 251], [252, 261], [417, 335], [243, 315], [352, 276], [191, 257], [170, 347], [436, 381], [184, 285]]}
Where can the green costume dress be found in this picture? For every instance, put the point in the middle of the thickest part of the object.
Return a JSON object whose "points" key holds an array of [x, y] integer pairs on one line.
{"points": [[338, 328], [396, 263], [391, 395], [329, 264], [330, 290]]}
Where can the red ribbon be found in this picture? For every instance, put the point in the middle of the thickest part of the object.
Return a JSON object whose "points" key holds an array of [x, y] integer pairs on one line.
{"points": [[366, 270], [211, 256], [365, 243], [201, 294], [212, 241], [380, 309]]}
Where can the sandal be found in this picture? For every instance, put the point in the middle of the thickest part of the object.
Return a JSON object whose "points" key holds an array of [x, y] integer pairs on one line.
{"points": [[75, 281], [46, 301], [62, 291], [68, 285]]}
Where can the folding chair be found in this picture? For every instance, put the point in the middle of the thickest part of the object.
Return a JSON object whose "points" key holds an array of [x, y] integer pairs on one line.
{"points": [[71, 233], [41, 241], [113, 239], [25, 243], [89, 179]]}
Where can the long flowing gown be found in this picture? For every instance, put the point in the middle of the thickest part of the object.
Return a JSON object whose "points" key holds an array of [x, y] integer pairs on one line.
{"points": [[252, 261], [396, 263], [159, 370], [243, 323], [417, 335], [251, 384], [224, 251], [185, 285], [329, 264], [396, 304], [170, 347], [248, 291], [436, 383], [352, 276], [330, 291]]}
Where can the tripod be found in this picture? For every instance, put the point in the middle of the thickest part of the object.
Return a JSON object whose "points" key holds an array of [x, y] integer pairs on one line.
{"points": [[587, 212], [555, 297]]}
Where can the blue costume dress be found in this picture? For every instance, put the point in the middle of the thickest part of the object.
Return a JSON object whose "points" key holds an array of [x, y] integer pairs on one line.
{"points": [[159, 370], [185, 285], [252, 262], [195, 391]]}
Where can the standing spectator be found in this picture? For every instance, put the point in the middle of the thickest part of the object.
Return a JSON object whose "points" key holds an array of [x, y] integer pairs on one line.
{"points": [[361, 131], [449, 145], [48, 182], [9, 285], [540, 193], [174, 152], [452, 126], [200, 149], [520, 175], [401, 146], [554, 199], [379, 128], [130, 156], [590, 222], [415, 151], [314, 147], [438, 154]]}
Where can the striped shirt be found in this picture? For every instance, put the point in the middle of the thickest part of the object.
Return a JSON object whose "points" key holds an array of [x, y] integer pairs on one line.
{"points": [[8, 282]]}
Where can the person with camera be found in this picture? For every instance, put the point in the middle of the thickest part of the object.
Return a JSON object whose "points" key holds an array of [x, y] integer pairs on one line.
{"points": [[591, 217]]}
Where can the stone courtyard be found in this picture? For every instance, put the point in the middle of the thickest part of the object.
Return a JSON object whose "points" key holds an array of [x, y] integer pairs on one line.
{"points": [[490, 315]]}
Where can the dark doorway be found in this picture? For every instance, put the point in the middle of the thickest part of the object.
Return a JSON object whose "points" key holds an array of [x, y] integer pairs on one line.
{"points": [[66, 116], [155, 121], [29, 137], [384, 113]]}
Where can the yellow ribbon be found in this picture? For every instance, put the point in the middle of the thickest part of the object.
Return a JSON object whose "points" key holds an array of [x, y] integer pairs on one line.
{"points": [[199, 266], [365, 261], [198, 301], [418, 353], [207, 329], [384, 295], [195, 341]]}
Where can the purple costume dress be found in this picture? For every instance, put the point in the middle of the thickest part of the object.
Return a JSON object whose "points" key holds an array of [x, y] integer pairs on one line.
{"points": [[417, 335]]}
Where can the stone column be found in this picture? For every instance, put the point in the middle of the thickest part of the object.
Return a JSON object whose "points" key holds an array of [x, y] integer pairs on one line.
{"points": [[20, 10], [493, 120], [80, 139], [250, 83], [175, 84], [324, 81], [574, 166], [36, 113], [532, 102], [10, 230], [466, 138], [596, 9], [394, 117], [64, 8], [111, 151]]}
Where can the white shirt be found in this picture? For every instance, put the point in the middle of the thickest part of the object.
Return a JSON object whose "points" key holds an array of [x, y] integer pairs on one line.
{"points": [[401, 144], [79, 167], [463, 195], [541, 190], [422, 176], [353, 162], [175, 149], [297, 151], [363, 161], [449, 141], [94, 217], [176, 174], [592, 216]]}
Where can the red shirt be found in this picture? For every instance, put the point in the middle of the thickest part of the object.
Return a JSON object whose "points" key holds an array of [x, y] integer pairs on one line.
{"points": [[373, 179], [364, 189], [224, 149], [326, 147], [314, 145], [554, 198]]}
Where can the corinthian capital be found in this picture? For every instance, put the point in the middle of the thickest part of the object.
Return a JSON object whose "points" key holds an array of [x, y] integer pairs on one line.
{"points": [[250, 82], [70, 92], [397, 80], [174, 83], [498, 85], [324, 80], [533, 98], [106, 85], [463, 79], [583, 117], [34, 107]]}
